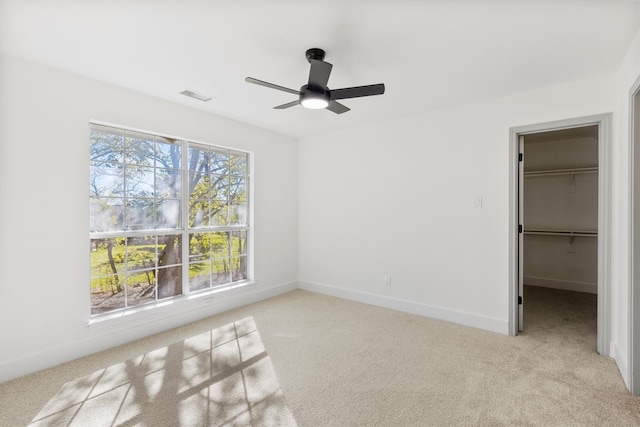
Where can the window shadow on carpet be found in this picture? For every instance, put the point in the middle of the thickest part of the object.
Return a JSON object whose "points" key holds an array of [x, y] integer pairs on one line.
{"points": [[218, 378]]}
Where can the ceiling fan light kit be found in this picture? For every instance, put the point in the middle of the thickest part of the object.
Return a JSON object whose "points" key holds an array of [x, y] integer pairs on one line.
{"points": [[315, 94], [314, 100]]}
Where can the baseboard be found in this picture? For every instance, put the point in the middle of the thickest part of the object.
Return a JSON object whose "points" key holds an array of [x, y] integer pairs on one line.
{"points": [[622, 362], [566, 285], [454, 316], [106, 337]]}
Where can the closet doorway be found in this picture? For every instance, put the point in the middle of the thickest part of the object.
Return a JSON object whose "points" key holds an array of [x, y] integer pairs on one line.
{"points": [[559, 262], [559, 202]]}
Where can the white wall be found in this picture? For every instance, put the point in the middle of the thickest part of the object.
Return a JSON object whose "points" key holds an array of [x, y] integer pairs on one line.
{"points": [[44, 237], [628, 73], [397, 199]]}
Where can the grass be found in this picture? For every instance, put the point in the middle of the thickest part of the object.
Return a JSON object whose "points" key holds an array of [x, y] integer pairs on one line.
{"points": [[142, 262]]}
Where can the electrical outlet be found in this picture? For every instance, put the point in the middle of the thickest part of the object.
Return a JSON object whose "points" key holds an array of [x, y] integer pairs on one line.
{"points": [[387, 280], [207, 301]]}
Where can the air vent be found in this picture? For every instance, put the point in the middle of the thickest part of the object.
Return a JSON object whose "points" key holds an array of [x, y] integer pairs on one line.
{"points": [[196, 95]]}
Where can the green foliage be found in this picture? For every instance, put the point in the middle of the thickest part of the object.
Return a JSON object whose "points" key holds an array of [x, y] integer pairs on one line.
{"points": [[137, 262]]}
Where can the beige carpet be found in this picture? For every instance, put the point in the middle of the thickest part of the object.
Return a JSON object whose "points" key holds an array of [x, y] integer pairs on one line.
{"points": [[219, 377], [312, 360]]}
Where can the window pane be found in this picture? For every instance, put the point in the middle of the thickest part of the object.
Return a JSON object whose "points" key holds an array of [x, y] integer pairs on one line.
{"points": [[141, 253], [239, 268], [220, 162], [169, 215], [198, 159], [200, 187], [169, 268], [220, 245], [219, 187], [139, 181], [106, 214], [106, 179], [106, 144], [237, 190], [140, 287], [141, 273], [238, 214], [107, 256], [107, 293], [219, 214], [169, 282], [238, 164], [168, 154], [238, 201], [139, 149], [169, 250], [239, 243], [199, 213], [200, 261], [168, 183], [139, 214], [199, 276], [199, 247], [220, 274], [107, 278]]}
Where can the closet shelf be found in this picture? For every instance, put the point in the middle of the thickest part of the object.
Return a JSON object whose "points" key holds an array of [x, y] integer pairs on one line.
{"points": [[574, 171], [570, 233]]}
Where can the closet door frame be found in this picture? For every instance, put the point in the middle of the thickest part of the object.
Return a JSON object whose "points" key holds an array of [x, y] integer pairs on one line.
{"points": [[603, 121], [634, 241]]}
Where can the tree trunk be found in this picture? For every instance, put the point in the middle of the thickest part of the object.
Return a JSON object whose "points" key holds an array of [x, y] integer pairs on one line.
{"points": [[170, 279], [112, 263]]}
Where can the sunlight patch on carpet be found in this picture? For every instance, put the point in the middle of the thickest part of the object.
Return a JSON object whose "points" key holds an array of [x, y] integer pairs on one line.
{"points": [[221, 377]]}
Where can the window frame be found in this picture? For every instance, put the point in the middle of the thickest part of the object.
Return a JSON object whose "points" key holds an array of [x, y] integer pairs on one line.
{"points": [[185, 230]]}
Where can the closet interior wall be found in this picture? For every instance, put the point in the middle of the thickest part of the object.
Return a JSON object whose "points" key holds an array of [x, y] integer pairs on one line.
{"points": [[561, 209]]}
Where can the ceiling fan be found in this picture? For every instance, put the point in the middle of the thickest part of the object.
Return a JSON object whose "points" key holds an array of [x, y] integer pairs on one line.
{"points": [[315, 94]]}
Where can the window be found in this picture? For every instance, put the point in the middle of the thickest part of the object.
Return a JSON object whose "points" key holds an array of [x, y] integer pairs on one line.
{"points": [[168, 217]]}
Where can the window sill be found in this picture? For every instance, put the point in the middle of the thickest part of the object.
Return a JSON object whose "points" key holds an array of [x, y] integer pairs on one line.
{"points": [[169, 307]]}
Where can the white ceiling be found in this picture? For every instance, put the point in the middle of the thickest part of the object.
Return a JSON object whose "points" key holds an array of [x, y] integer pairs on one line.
{"points": [[429, 54]]}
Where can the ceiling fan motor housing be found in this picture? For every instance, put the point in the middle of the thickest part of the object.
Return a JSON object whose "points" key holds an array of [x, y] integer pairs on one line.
{"points": [[314, 53]]}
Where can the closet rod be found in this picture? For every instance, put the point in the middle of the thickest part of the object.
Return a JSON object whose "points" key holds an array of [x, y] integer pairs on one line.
{"points": [[562, 172], [570, 233]]}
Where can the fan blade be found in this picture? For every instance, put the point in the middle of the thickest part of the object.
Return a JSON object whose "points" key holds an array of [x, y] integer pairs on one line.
{"points": [[271, 85], [358, 91], [337, 108], [319, 74], [287, 105]]}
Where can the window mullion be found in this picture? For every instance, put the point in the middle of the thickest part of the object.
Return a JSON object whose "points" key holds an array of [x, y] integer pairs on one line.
{"points": [[184, 201]]}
